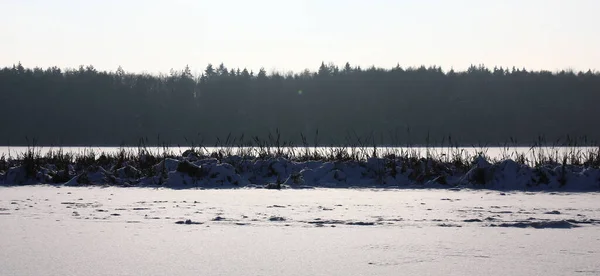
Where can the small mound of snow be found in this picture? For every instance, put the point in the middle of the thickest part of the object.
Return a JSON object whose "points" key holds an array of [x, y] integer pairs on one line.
{"points": [[176, 179], [223, 174], [15, 175], [294, 179], [190, 169], [128, 172], [481, 162], [167, 165]]}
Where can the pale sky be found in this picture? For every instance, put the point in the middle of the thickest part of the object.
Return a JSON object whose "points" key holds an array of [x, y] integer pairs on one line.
{"points": [[155, 36]]}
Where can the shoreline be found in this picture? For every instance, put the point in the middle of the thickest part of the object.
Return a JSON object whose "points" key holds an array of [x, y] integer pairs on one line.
{"points": [[279, 169]]}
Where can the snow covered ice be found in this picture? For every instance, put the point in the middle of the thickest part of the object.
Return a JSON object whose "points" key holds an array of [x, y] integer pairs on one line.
{"points": [[58, 230]]}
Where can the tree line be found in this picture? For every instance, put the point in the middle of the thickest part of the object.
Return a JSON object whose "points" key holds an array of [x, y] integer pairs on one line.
{"points": [[331, 106]]}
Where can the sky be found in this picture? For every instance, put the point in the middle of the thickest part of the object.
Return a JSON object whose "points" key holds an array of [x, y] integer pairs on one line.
{"points": [[156, 36]]}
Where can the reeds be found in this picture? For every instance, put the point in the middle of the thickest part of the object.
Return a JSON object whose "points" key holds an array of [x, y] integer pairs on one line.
{"points": [[419, 163]]}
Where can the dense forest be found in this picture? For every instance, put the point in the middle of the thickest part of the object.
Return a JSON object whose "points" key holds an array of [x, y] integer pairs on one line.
{"points": [[332, 106]]}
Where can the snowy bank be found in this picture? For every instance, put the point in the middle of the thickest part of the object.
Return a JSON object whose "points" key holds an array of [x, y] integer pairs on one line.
{"points": [[191, 170]]}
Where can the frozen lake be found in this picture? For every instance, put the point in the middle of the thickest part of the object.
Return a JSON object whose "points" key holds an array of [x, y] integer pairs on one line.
{"points": [[47, 230]]}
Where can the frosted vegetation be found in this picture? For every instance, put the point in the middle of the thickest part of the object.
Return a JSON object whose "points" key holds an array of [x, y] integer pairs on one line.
{"points": [[278, 167]]}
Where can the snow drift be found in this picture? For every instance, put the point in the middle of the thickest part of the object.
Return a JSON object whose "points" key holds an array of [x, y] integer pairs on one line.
{"points": [[190, 170]]}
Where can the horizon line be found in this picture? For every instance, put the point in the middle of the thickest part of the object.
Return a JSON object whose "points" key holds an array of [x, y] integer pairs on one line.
{"points": [[284, 72]]}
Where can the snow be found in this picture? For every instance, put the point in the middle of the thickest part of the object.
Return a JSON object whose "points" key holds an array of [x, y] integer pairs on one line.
{"points": [[61, 230], [374, 172], [486, 170]]}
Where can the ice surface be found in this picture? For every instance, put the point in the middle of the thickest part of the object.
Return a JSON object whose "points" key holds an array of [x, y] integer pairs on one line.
{"points": [[47, 230]]}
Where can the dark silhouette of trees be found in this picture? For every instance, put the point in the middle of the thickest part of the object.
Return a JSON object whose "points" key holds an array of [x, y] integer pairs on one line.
{"points": [[84, 106]]}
